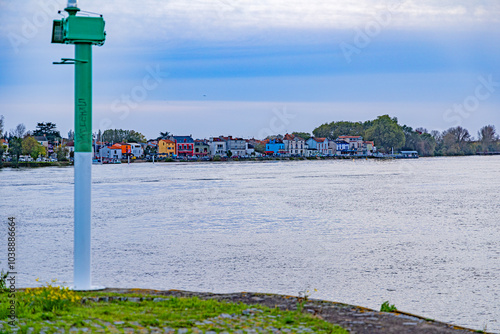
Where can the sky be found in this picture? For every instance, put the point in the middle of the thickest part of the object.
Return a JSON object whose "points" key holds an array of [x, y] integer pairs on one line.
{"points": [[252, 68]]}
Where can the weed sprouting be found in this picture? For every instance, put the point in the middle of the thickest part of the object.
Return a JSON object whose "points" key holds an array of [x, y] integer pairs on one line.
{"points": [[386, 307]]}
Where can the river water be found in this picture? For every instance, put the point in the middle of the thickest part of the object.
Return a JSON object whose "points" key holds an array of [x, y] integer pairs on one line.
{"points": [[423, 234]]}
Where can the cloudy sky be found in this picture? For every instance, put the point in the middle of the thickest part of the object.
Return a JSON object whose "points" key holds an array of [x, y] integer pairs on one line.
{"points": [[252, 67]]}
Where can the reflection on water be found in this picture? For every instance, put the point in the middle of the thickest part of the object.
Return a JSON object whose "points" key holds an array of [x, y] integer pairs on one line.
{"points": [[423, 234]]}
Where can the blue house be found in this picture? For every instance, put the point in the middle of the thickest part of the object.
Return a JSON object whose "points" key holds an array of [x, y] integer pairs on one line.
{"points": [[275, 146], [342, 147]]}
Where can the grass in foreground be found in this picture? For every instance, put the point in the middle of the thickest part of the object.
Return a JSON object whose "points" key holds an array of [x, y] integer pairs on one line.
{"points": [[51, 309]]}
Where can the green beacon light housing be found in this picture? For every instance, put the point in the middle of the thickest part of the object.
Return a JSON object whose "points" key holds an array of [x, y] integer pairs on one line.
{"points": [[78, 29]]}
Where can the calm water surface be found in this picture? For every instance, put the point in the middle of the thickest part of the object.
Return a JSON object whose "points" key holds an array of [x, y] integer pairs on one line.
{"points": [[423, 234]]}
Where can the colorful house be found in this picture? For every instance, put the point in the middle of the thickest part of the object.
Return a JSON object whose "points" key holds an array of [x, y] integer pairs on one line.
{"points": [[201, 148], [166, 148], [276, 147], [184, 145], [321, 145], [126, 150], [369, 147], [342, 147], [355, 144]]}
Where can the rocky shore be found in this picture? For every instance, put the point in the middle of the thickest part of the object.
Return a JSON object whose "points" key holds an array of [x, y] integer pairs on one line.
{"points": [[356, 319]]}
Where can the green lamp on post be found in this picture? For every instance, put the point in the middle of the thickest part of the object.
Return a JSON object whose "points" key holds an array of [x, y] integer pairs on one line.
{"points": [[83, 32]]}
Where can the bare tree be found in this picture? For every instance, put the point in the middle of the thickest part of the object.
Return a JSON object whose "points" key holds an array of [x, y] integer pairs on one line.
{"points": [[19, 131], [1, 125], [487, 134], [459, 134]]}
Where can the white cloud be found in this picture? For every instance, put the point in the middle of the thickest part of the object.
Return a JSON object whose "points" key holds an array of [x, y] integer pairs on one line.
{"points": [[228, 19]]}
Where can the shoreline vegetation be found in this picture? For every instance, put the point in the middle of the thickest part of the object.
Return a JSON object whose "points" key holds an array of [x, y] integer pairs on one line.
{"points": [[60, 310], [380, 136], [35, 164]]}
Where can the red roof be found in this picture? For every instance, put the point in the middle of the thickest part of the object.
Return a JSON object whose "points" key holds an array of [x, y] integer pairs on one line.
{"points": [[115, 147]]}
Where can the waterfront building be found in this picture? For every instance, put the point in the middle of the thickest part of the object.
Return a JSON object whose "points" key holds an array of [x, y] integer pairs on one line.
{"points": [[217, 147], [166, 148], [237, 146], [355, 144], [294, 145], [320, 145], [369, 147], [184, 145], [111, 152], [342, 147], [275, 147], [136, 150], [201, 148]]}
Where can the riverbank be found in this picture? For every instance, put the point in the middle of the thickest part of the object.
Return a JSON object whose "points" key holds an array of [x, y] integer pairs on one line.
{"points": [[355, 319], [34, 164], [119, 310]]}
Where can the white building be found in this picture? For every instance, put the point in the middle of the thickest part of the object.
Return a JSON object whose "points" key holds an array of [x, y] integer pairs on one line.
{"points": [[294, 145], [111, 152], [136, 149], [217, 147]]}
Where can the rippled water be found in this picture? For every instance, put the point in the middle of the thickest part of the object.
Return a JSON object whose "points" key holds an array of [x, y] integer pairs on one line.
{"points": [[423, 234]]}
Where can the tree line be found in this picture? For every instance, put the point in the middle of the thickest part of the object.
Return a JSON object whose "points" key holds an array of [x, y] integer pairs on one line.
{"points": [[22, 142], [388, 135], [385, 131]]}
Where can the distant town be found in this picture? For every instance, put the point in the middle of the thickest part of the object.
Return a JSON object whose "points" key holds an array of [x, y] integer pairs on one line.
{"points": [[387, 139]]}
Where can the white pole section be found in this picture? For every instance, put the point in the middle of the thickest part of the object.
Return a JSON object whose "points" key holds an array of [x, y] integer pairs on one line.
{"points": [[83, 184]]}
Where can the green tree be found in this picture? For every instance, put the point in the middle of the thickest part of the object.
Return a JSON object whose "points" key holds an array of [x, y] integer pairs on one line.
{"points": [[303, 135], [15, 148], [261, 148], [48, 130], [136, 137], [488, 138], [32, 147], [2, 150], [119, 136], [163, 135], [386, 133], [61, 153], [229, 153], [419, 140], [343, 128], [456, 141]]}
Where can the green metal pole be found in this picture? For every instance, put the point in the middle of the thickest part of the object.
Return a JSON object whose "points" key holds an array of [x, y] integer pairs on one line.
{"points": [[83, 97], [83, 165], [82, 31]]}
